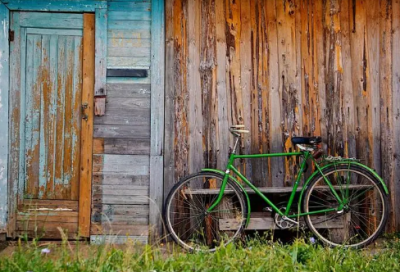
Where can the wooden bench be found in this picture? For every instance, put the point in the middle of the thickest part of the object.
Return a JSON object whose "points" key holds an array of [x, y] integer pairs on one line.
{"points": [[264, 220], [266, 190]]}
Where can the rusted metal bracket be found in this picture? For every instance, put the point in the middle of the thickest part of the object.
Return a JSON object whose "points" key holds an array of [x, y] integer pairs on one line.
{"points": [[99, 105]]}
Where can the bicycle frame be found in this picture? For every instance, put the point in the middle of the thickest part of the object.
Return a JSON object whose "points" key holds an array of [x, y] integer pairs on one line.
{"points": [[307, 155]]}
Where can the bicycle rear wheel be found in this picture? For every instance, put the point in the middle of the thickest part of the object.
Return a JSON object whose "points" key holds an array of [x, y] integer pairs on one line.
{"points": [[363, 216], [188, 221]]}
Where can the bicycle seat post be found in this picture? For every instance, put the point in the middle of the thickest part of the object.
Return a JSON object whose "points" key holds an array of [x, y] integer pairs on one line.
{"points": [[237, 130], [236, 144]]}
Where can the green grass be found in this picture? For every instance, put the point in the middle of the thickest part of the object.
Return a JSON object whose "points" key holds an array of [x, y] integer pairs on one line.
{"points": [[258, 254]]}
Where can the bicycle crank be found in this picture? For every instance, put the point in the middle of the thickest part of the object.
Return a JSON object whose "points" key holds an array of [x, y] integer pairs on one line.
{"points": [[283, 222]]}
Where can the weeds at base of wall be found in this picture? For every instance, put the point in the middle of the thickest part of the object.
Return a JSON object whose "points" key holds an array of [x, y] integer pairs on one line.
{"points": [[255, 254]]}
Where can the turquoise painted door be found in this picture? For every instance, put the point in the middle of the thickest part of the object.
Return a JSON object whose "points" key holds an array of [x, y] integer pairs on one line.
{"points": [[48, 49]]}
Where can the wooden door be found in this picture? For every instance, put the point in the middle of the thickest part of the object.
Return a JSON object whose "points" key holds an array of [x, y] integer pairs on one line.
{"points": [[48, 67]]}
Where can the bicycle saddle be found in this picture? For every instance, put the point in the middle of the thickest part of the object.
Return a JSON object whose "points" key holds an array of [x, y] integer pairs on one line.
{"points": [[237, 129], [306, 140]]}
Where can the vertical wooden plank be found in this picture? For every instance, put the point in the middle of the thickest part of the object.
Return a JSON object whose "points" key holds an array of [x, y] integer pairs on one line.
{"points": [[40, 76], [319, 70], [14, 124], [235, 92], [85, 185], [275, 96], [221, 89], [101, 51], [233, 32], [181, 128], [396, 111], [32, 105], [207, 77], [329, 65], [169, 132], [309, 92], [53, 66], [61, 122], [298, 67], [373, 87], [358, 56], [348, 102], [157, 78], [306, 65], [258, 90], [22, 105], [4, 90], [100, 60], [49, 116], [32, 149], [287, 73], [157, 114], [260, 87], [76, 117], [386, 108], [195, 119], [334, 101], [68, 89], [338, 68], [250, 113]]}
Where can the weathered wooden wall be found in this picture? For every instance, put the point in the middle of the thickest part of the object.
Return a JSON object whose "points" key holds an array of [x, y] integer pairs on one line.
{"points": [[283, 68], [120, 203]]}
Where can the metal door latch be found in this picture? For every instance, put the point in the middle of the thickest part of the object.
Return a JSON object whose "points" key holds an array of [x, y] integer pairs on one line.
{"points": [[84, 107]]}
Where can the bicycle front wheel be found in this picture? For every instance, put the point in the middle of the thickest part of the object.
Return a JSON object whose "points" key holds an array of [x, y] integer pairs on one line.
{"points": [[365, 206], [189, 222]]}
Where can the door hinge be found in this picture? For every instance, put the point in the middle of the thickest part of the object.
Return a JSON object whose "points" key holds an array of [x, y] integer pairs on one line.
{"points": [[11, 35]]}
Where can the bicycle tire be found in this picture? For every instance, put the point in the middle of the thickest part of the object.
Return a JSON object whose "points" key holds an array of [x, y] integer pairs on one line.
{"points": [[187, 220], [361, 220]]}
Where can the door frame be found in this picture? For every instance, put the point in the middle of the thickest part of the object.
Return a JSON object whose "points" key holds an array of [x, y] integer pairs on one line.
{"points": [[8, 187]]}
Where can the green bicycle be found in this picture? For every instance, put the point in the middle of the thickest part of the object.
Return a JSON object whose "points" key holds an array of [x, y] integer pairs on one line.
{"points": [[343, 202]]}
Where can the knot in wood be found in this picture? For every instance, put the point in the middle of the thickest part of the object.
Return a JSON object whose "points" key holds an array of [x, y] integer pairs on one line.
{"points": [[206, 66]]}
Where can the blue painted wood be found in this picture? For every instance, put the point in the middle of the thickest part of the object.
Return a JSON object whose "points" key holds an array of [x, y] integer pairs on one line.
{"points": [[133, 15], [4, 83], [52, 65], [64, 6], [50, 110], [148, 1], [70, 32], [157, 79], [129, 34], [157, 114], [61, 122], [125, 6], [14, 127], [128, 62], [129, 80], [130, 25], [27, 64], [101, 34], [129, 52], [76, 115], [22, 84], [44, 118], [51, 20], [139, 42]]}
